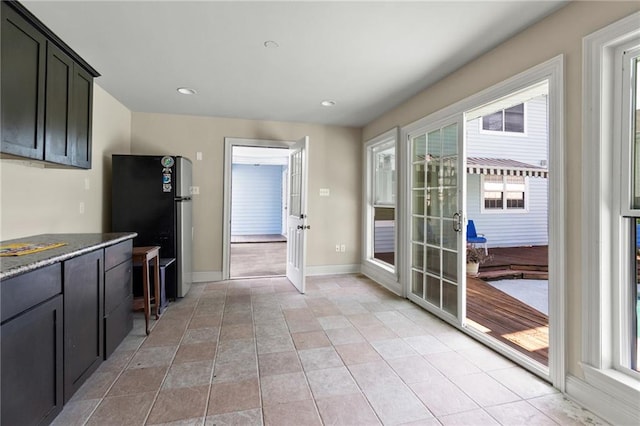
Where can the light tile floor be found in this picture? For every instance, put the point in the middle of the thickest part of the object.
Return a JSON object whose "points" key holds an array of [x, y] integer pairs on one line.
{"points": [[348, 352]]}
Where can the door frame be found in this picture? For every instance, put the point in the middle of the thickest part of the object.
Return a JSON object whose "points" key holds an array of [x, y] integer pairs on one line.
{"points": [[553, 71], [229, 143]]}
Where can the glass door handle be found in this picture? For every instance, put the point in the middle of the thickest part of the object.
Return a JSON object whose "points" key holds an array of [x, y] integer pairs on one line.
{"points": [[457, 222]]}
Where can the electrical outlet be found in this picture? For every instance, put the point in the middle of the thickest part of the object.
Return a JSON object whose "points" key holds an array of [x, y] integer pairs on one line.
{"points": [[81, 207], [194, 190], [343, 248], [337, 248]]}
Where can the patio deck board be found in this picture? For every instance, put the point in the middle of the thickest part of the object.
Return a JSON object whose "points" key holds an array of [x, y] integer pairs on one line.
{"points": [[508, 319]]}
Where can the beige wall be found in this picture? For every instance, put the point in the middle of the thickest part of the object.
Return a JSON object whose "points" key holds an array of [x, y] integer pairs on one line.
{"points": [[37, 200], [560, 33], [334, 163]]}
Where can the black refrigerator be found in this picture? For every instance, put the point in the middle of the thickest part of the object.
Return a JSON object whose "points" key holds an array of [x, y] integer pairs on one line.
{"points": [[151, 196]]}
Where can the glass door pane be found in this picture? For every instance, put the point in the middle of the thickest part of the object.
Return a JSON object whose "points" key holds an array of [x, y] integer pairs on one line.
{"points": [[434, 220]]}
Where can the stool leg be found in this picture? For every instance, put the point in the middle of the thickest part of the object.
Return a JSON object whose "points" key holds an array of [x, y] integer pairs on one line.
{"points": [[156, 286], [145, 292]]}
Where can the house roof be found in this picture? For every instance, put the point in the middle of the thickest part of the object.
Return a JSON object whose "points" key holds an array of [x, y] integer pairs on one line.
{"points": [[504, 166]]}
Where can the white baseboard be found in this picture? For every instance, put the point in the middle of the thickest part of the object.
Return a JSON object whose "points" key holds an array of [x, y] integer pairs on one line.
{"points": [[384, 278], [600, 403], [206, 276], [333, 270]]}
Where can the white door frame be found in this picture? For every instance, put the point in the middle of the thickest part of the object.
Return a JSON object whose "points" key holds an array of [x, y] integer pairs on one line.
{"points": [[553, 71], [229, 143]]}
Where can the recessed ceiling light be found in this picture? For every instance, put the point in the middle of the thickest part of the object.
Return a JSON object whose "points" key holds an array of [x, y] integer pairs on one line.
{"points": [[186, 91], [270, 44], [328, 103]]}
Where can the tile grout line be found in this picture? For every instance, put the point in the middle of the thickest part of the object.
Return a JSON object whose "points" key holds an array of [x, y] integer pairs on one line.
{"points": [[212, 375]]}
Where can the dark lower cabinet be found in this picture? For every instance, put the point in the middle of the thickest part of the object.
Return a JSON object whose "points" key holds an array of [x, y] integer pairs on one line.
{"points": [[83, 290], [57, 324], [118, 297], [31, 365]]}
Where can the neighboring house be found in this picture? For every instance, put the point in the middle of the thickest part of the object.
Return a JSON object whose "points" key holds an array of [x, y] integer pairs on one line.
{"points": [[507, 178]]}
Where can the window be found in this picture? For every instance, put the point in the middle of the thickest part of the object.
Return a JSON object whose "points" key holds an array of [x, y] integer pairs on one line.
{"points": [[610, 245], [380, 208], [503, 193], [630, 206], [384, 191], [506, 120]]}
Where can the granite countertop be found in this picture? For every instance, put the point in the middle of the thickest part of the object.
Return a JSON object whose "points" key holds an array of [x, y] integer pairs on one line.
{"points": [[76, 244]]}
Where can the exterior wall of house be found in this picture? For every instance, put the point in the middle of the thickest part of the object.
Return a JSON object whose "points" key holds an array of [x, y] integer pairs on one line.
{"points": [[513, 228], [256, 205]]}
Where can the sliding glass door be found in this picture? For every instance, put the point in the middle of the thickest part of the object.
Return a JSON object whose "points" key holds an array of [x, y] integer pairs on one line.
{"points": [[436, 228]]}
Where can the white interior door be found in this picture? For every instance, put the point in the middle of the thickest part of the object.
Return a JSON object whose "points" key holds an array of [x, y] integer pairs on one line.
{"points": [[297, 217], [436, 231]]}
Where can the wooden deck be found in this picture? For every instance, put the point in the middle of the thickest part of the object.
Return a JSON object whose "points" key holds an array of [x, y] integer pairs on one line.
{"points": [[506, 318]]}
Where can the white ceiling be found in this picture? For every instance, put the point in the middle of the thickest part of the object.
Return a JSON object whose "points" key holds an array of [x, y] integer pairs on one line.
{"points": [[367, 56]]}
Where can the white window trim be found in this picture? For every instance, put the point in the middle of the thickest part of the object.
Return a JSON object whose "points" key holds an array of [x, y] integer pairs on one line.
{"points": [[504, 132], [599, 272], [504, 209], [379, 271]]}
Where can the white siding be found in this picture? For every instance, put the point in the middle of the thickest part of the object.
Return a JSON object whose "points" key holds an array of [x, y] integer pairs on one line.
{"points": [[529, 148], [256, 203], [512, 229], [384, 236]]}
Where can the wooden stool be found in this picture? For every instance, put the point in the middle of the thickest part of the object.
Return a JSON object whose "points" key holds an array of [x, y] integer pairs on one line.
{"points": [[144, 255]]}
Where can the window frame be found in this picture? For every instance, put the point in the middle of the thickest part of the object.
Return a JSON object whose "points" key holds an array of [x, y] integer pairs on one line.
{"points": [[382, 272], [602, 227], [504, 209]]}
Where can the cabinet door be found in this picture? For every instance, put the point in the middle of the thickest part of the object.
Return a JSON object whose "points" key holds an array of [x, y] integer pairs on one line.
{"points": [[58, 132], [83, 319], [31, 365], [22, 86], [82, 102]]}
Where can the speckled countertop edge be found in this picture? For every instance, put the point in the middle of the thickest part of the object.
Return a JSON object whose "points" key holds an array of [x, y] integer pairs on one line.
{"points": [[13, 266]]}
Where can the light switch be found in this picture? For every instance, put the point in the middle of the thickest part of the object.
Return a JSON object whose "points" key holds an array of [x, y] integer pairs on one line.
{"points": [[324, 192], [87, 184], [194, 190], [199, 156]]}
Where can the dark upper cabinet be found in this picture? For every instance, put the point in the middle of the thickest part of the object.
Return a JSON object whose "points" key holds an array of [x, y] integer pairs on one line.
{"points": [[82, 102], [47, 93], [22, 85], [58, 130], [69, 98]]}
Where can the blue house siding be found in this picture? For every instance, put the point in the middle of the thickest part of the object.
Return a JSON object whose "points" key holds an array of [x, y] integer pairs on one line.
{"points": [[512, 229], [256, 206]]}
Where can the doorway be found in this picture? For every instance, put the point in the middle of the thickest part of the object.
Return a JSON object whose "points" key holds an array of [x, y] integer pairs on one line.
{"points": [[258, 241], [507, 145], [441, 169], [284, 217]]}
